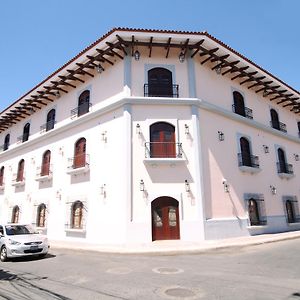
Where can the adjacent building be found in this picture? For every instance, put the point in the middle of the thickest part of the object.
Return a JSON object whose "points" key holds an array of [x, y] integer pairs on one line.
{"points": [[151, 135]]}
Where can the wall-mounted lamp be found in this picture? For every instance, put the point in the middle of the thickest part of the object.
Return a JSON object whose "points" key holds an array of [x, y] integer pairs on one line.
{"points": [[58, 194], [61, 151], [218, 68], [226, 186], [103, 189], [181, 57], [265, 93], [138, 128], [57, 94], [142, 185], [99, 69], [31, 111], [266, 148], [29, 197], [136, 54], [186, 129], [296, 156], [221, 136], [187, 186], [104, 136], [32, 160], [273, 189]]}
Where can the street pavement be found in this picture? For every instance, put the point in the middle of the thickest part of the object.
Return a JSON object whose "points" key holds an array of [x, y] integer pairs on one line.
{"points": [[265, 270]]}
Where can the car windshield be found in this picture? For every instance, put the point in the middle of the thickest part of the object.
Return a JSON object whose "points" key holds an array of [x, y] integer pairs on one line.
{"points": [[18, 229]]}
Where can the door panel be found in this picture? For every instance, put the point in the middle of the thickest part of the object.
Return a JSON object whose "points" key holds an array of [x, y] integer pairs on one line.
{"points": [[79, 158], [165, 219]]}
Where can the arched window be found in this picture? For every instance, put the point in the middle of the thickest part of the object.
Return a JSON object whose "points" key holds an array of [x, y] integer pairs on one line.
{"points": [[282, 166], [77, 215], [298, 124], [45, 169], [20, 174], [274, 119], [253, 212], [80, 153], [245, 152], [41, 215], [239, 105], [6, 142], [290, 211], [160, 83], [50, 120], [26, 131], [83, 103], [15, 214], [162, 140], [2, 176]]}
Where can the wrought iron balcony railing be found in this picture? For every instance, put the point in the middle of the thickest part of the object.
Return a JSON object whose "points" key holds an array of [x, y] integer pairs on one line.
{"points": [[248, 160], [258, 222], [161, 90], [78, 161], [279, 126], [81, 110], [163, 150], [285, 168], [246, 112], [18, 179], [47, 126]]}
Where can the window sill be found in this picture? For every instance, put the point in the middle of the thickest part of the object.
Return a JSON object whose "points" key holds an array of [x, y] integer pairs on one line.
{"points": [[76, 171], [257, 227], [18, 183], [2, 187], [75, 230], [286, 175], [43, 178], [172, 161], [252, 170]]}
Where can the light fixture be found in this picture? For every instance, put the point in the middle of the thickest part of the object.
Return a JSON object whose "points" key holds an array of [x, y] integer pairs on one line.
{"points": [[266, 148], [99, 69], [31, 111], [137, 55], [103, 189], [138, 128], [57, 94], [273, 189], [225, 186], [265, 93], [187, 186], [186, 129], [58, 194], [181, 56], [296, 156], [104, 136], [142, 185], [221, 136], [218, 68]]}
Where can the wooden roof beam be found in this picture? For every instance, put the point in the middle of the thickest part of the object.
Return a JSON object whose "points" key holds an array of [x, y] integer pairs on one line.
{"points": [[150, 46], [101, 52], [72, 77], [197, 46], [257, 79], [86, 65], [168, 47], [231, 65], [55, 87]]}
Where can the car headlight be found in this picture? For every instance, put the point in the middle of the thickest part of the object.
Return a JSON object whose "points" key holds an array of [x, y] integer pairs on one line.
{"points": [[15, 243]]}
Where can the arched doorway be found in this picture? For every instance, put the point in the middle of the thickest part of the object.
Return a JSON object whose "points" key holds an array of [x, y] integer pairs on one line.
{"points": [[165, 219], [245, 151], [79, 153], [239, 104]]}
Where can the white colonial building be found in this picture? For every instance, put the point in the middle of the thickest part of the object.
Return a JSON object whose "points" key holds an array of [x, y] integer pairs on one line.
{"points": [[149, 135]]}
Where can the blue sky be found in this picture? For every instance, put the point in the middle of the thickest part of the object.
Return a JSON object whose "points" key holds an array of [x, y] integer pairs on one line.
{"points": [[37, 37]]}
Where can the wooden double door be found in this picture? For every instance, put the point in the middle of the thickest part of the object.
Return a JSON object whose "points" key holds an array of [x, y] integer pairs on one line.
{"points": [[165, 219]]}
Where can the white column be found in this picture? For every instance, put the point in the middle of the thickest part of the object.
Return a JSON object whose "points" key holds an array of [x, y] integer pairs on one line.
{"points": [[198, 168], [127, 73]]}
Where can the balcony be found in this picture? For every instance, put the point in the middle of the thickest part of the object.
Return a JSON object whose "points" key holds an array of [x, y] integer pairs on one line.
{"points": [[161, 90], [18, 180], [44, 173], [246, 112], [279, 126], [47, 126], [78, 164], [248, 163], [285, 170], [163, 153], [81, 110]]}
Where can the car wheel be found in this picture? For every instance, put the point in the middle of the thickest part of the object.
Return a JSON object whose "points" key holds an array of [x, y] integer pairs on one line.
{"points": [[3, 254]]}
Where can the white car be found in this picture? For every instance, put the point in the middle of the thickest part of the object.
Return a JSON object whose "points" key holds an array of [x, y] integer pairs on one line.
{"points": [[21, 240]]}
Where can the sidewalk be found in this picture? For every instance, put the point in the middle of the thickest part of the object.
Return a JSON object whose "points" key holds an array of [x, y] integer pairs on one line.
{"points": [[177, 246]]}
